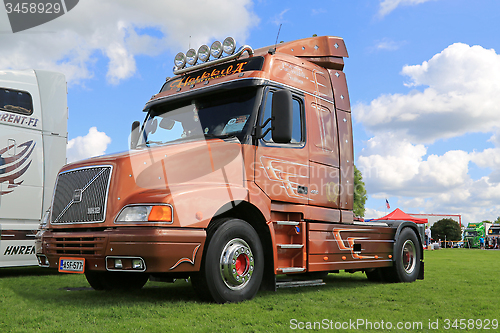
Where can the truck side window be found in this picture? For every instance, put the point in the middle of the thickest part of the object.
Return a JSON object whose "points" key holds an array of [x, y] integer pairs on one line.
{"points": [[16, 101], [297, 133]]}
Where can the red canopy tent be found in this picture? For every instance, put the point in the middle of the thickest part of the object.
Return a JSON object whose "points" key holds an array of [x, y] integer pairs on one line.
{"points": [[398, 215]]}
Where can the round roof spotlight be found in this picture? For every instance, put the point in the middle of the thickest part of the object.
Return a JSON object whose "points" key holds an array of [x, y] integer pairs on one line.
{"points": [[203, 53], [180, 60], [216, 49], [229, 45], [191, 57]]}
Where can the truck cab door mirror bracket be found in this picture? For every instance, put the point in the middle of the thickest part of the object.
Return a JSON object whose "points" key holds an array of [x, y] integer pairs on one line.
{"points": [[134, 137], [259, 134]]}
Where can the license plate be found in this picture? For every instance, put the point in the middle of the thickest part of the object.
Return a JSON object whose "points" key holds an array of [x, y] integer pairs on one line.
{"points": [[72, 265]]}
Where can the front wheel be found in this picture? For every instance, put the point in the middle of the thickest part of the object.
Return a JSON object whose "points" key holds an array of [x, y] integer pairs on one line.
{"points": [[233, 263], [116, 280]]}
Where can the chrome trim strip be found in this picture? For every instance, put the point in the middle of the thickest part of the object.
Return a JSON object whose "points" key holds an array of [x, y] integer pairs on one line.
{"points": [[287, 223], [291, 246], [292, 269]]}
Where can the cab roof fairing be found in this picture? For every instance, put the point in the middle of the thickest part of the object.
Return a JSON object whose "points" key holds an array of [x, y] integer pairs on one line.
{"points": [[325, 51]]}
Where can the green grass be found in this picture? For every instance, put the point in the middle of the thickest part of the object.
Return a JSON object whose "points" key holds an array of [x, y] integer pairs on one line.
{"points": [[459, 283]]}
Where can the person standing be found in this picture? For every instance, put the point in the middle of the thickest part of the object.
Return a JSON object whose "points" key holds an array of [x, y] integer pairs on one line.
{"points": [[427, 236]]}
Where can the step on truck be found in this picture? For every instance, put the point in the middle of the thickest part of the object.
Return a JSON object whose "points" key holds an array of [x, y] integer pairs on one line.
{"points": [[33, 135], [241, 173]]}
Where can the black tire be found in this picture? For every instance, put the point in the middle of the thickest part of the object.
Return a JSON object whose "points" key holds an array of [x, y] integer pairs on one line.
{"points": [[374, 275], [94, 279], [407, 257], [116, 280], [233, 263]]}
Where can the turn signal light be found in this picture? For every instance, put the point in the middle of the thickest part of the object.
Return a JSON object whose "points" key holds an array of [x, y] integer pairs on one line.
{"points": [[160, 214]]}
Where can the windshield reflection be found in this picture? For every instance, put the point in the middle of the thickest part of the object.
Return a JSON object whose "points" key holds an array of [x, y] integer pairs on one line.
{"points": [[219, 115]]}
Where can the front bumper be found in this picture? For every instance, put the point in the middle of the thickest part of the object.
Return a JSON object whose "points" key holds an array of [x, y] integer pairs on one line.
{"points": [[162, 250]]}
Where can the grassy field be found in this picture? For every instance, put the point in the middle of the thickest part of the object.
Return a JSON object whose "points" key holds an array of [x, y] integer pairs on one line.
{"points": [[459, 284]]}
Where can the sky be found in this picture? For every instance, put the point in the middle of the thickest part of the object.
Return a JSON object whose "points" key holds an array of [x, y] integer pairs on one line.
{"points": [[423, 78]]}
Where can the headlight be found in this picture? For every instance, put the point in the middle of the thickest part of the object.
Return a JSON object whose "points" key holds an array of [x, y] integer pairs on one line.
{"points": [[216, 49], [180, 60], [203, 53], [191, 57], [146, 213], [229, 45]]}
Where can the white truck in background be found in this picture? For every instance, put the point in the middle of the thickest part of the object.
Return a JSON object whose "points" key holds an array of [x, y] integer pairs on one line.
{"points": [[33, 137]]}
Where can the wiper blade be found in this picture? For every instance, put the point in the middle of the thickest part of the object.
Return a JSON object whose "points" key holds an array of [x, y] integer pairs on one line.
{"points": [[147, 143], [219, 136]]}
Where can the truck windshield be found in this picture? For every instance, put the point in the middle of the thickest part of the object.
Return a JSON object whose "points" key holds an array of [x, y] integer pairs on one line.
{"points": [[218, 115], [494, 231], [470, 233]]}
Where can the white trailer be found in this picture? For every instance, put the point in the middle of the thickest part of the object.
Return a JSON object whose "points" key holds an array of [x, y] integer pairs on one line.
{"points": [[33, 137]]}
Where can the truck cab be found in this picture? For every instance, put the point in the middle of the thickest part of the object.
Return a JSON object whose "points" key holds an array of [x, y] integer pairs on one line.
{"points": [[493, 236], [242, 171], [33, 135], [474, 232]]}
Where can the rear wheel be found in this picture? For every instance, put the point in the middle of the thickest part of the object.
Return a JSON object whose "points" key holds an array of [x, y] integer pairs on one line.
{"points": [[407, 257], [116, 280], [233, 263]]}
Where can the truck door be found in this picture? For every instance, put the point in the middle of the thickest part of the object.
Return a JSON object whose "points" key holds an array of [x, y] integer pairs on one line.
{"points": [[323, 155], [281, 170], [21, 172]]}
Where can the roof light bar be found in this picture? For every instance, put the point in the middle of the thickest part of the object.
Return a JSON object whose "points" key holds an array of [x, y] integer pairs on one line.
{"points": [[203, 55]]}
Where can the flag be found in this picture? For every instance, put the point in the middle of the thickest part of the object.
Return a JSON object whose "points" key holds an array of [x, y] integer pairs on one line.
{"points": [[387, 204]]}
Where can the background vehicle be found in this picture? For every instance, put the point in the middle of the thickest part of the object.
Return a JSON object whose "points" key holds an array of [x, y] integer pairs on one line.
{"points": [[241, 172], [493, 236], [33, 135], [474, 232]]}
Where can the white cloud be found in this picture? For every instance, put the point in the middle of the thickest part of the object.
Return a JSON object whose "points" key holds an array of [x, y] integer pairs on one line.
{"points": [[460, 95], [90, 145], [280, 18], [387, 44], [387, 6], [394, 167], [121, 30], [397, 167]]}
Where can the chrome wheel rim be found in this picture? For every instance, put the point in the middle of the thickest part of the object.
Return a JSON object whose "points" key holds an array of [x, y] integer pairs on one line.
{"points": [[236, 264], [408, 254]]}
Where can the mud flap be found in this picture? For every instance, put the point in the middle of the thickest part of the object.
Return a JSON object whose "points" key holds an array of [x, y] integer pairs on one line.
{"points": [[421, 273]]}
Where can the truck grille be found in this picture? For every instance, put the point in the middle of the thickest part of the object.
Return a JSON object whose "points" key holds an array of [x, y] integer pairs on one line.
{"points": [[75, 245], [81, 195]]}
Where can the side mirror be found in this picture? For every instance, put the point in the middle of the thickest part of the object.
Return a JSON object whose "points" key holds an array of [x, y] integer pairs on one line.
{"points": [[134, 137], [282, 115]]}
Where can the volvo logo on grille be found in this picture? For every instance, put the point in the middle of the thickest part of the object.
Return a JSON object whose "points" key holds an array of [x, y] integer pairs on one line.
{"points": [[77, 196]]}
